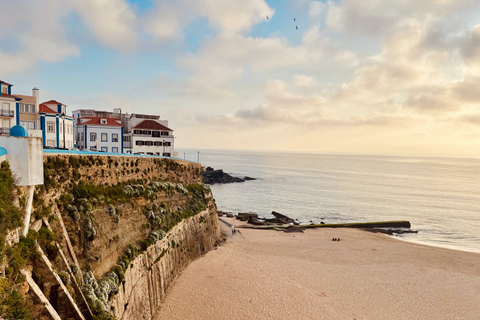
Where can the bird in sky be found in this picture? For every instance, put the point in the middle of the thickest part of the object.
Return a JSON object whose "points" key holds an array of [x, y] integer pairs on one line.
{"points": [[294, 19], [296, 27], [268, 18]]}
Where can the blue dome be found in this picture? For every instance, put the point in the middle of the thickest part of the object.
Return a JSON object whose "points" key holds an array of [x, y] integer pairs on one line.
{"points": [[18, 131]]}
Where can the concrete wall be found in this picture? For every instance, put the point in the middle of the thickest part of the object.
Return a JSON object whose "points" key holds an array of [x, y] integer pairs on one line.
{"points": [[25, 155]]}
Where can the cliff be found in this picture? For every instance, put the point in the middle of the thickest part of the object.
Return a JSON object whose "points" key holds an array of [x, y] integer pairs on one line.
{"points": [[109, 236]]}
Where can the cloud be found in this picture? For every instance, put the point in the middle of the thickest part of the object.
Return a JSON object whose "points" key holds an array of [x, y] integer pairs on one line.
{"points": [[235, 16], [380, 17], [168, 19], [112, 22], [40, 37], [301, 80], [470, 46]]}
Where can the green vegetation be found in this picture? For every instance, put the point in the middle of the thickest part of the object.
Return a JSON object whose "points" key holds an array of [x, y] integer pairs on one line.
{"points": [[10, 216], [12, 304]]}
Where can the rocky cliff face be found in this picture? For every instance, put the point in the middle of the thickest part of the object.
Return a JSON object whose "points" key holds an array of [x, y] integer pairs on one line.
{"points": [[152, 273], [109, 236]]}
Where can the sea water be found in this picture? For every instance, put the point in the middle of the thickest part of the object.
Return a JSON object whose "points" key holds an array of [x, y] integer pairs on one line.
{"points": [[439, 196]]}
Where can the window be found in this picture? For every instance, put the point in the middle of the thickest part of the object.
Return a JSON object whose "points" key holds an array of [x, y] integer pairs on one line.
{"points": [[167, 144], [126, 138], [115, 150], [60, 127], [139, 143], [51, 143], [149, 143], [157, 143], [147, 132], [104, 149], [6, 124], [137, 131], [6, 106], [5, 89], [104, 137], [114, 137], [103, 121], [29, 125], [27, 108], [166, 154], [93, 148], [51, 126], [93, 136], [155, 133], [164, 133]]}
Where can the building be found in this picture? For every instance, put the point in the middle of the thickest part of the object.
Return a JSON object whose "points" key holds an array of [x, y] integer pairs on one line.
{"points": [[53, 120], [99, 134], [8, 108], [143, 134], [99, 130], [147, 134], [28, 113]]}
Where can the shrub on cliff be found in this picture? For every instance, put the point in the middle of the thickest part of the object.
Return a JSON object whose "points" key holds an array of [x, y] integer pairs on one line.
{"points": [[10, 216]]}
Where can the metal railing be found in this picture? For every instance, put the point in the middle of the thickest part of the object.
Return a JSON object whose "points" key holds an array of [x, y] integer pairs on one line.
{"points": [[6, 113], [4, 130]]}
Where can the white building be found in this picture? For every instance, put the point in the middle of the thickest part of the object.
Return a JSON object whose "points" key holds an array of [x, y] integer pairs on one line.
{"points": [[53, 120], [147, 134], [99, 134], [8, 108]]}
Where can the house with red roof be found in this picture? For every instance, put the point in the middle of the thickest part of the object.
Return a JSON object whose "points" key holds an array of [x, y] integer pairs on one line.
{"points": [[148, 134], [140, 133], [58, 129], [98, 131]]}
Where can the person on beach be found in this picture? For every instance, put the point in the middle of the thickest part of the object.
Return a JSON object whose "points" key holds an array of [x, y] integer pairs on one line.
{"points": [[233, 230]]}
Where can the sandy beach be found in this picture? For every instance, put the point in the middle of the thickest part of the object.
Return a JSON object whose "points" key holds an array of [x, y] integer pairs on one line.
{"points": [[264, 274]]}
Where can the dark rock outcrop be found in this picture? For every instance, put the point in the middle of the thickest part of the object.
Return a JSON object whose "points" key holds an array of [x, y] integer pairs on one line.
{"points": [[245, 216], [212, 176], [390, 231], [291, 229], [279, 218]]}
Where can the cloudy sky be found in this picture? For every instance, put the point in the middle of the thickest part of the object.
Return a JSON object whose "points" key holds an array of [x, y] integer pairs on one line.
{"points": [[370, 76]]}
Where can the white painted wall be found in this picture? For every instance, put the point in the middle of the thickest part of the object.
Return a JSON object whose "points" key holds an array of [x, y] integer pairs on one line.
{"points": [[99, 143], [25, 155], [153, 149]]}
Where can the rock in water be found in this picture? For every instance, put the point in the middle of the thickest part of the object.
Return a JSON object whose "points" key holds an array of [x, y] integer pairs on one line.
{"points": [[212, 176]]}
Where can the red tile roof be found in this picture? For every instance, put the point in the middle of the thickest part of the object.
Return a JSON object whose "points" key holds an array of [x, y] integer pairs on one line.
{"points": [[152, 125], [8, 84], [52, 102], [44, 108], [6, 95], [96, 121]]}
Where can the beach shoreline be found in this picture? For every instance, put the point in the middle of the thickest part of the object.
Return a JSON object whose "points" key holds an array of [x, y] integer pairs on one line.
{"points": [[266, 274]]}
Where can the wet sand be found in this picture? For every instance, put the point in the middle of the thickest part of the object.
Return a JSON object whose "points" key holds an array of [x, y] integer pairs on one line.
{"points": [[264, 274]]}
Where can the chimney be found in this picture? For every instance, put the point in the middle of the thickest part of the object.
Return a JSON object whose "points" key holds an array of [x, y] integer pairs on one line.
{"points": [[35, 93]]}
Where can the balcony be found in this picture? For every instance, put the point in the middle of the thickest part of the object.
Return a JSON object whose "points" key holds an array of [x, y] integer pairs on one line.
{"points": [[6, 113], [4, 130]]}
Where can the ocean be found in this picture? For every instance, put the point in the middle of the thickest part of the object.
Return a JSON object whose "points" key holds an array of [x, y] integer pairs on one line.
{"points": [[439, 196]]}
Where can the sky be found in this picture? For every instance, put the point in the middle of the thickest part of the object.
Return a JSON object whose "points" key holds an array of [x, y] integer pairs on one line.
{"points": [[370, 76]]}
